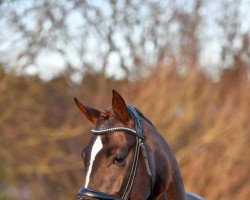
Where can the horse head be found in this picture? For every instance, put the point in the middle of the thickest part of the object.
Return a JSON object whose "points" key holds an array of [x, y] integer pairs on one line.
{"points": [[126, 157]]}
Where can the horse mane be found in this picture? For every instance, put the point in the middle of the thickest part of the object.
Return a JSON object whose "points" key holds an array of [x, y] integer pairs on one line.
{"points": [[104, 115], [143, 116]]}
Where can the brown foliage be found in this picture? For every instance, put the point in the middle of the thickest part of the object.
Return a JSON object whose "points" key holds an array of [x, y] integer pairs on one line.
{"points": [[206, 124]]}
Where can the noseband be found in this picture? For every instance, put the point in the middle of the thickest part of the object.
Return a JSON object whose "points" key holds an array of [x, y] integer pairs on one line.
{"points": [[138, 133]]}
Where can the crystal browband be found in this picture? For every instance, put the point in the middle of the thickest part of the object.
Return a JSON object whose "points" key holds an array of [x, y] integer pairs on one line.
{"points": [[119, 128]]}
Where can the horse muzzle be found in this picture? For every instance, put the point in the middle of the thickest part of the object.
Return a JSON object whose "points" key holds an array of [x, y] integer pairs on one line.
{"points": [[85, 193]]}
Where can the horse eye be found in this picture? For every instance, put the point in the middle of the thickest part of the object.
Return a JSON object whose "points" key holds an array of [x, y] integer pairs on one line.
{"points": [[119, 159]]}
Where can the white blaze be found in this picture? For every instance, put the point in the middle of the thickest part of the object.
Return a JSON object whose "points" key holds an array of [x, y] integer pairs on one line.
{"points": [[97, 146]]}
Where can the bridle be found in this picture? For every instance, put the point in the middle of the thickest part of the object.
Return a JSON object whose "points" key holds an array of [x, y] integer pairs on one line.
{"points": [[138, 133]]}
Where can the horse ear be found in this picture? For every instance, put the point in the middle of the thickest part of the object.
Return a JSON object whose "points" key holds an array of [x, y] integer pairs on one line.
{"points": [[90, 113], [120, 107]]}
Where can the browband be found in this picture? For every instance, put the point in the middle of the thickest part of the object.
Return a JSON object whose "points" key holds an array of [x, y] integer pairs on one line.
{"points": [[109, 130], [138, 126]]}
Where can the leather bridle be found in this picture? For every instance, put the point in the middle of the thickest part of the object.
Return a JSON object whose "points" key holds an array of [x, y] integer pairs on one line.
{"points": [[138, 133]]}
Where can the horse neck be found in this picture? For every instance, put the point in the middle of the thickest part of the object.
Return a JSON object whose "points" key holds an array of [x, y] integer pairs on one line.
{"points": [[175, 189], [166, 166]]}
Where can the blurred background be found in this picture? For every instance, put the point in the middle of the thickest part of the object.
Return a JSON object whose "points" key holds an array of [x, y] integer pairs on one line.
{"points": [[184, 63]]}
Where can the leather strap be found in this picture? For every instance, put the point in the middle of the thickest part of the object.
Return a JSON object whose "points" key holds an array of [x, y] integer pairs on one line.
{"points": [[137, 120], [84, 192], [139, 135], [130, 182]]}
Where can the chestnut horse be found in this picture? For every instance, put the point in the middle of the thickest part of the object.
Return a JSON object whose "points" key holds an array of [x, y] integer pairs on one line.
{"points": [[127, 158]]}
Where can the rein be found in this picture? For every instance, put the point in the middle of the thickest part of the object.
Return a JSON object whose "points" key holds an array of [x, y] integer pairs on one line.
{"points": [[138, 133]]}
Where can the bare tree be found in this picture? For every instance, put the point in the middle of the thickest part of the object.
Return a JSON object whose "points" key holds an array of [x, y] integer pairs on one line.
{"points": [[122, 38]]}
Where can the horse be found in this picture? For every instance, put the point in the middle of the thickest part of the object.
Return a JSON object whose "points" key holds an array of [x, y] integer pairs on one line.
{"points": [[127, 158]]}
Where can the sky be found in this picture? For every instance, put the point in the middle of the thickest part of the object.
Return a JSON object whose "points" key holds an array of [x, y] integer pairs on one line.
{"points": [[50, 63]]}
